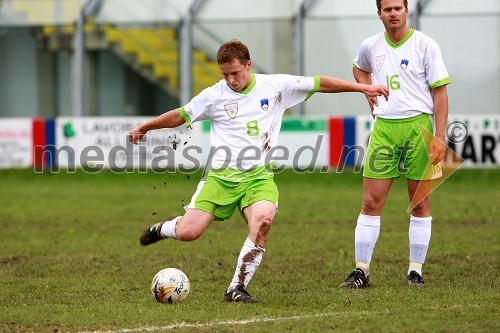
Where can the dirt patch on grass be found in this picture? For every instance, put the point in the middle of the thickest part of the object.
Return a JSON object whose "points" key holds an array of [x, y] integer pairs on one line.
{"points": [[12, 260]]}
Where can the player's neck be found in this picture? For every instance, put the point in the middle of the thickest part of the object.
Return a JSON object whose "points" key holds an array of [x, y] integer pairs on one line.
{"points": [[397, 35]]}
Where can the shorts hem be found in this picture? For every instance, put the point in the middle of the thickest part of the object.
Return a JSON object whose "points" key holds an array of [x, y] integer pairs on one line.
{"points": [[257, 200], [217, 218], [382, 176], [420, 178]]}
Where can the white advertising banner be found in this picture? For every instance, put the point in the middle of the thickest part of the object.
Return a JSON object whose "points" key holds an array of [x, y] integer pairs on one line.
{"points": [[363, 130], [102, 142], [16, 142], [476, 139], [302, 150]]}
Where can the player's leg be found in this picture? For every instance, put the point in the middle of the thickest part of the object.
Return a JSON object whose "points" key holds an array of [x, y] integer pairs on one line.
{"points": [[259, 216], [419, 173], [200, 212], [185, 228], [419, 231], [368, 224], [193, 224], [259, 206], [367, 230], [380, 168]]}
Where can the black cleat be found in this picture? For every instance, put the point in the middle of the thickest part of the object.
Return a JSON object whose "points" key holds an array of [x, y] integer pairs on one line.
{"points": [[239, 294], [415, 280], [356, 279], [152, 234]]}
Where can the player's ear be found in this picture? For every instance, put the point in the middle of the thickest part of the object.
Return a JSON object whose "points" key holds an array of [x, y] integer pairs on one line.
{"points": [[249, 65]]}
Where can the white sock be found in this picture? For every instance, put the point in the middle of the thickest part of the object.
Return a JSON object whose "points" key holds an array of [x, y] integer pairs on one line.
{"points": [[420, 237], [248, 262], [365, 238], [168, 228]]}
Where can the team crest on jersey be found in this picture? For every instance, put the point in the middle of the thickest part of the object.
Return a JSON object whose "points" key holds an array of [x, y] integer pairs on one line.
{"points": [[264, 104], [379, 62], [404, 63], [231, 109]]}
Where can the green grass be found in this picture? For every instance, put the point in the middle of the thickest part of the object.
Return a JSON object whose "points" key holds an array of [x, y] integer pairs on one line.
{"points": [[70, 259]]}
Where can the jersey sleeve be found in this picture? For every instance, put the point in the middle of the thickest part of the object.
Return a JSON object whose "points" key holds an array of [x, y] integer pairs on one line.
{"points": [[362, 60], [200, 106], [435, 69], [298, 89]]}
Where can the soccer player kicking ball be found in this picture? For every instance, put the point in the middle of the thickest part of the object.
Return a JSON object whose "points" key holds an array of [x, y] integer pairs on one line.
{"points": [[411, 65], [246, 112]]}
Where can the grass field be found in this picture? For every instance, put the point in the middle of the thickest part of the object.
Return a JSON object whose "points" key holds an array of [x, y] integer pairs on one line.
{"points": [[70, 260]]}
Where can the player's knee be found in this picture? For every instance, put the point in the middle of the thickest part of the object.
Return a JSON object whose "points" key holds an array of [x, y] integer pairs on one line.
{"points": [[422, 208], [187, 233], [263, 232], [372, 204], [265, 225]]}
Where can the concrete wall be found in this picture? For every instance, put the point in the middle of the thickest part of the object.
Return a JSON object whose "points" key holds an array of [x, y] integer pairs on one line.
{"points": [[18, 74]]}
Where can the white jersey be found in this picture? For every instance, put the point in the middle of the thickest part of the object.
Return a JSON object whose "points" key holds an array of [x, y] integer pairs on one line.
{"points": [[410, 68], [245, 125]]}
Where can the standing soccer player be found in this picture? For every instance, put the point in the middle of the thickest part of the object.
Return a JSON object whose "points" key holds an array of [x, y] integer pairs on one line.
{"points": [[246, 112], [410, 63]]}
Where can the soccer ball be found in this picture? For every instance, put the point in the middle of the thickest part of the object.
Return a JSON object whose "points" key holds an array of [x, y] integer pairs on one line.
{"points": [[170, 285]]}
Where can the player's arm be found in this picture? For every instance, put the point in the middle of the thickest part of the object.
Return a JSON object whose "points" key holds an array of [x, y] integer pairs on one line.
{"points": [[438, 146], [366, 78], [333, 85], [169, 119]]}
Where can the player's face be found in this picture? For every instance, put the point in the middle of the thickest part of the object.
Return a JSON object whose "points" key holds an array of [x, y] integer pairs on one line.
{"points": [[393, 14], [236, 74]]}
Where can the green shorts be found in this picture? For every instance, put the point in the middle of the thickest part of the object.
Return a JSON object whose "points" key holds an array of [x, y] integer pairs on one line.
{"points": [[220, 197], [397, 147]]}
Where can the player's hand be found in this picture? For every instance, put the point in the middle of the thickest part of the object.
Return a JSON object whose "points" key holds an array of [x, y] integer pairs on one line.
{"points": [[373, 102], [377, 90], [437, 150], [136, 134]]}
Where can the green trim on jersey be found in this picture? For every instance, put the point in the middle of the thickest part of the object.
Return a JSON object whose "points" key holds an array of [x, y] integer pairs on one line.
{"points": [[247, 90], [401, 42], [185, 116], [440, 83], [317, 83]]}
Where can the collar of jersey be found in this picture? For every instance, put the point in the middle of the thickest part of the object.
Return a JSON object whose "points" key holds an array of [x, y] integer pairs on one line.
{"points": [[401, 42], [249, 88]]}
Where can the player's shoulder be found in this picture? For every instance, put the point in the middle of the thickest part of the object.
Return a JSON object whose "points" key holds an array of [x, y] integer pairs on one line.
{"points": [[214, 91], [274, 80], [371, 41], [419, 35], [424, 41], [282, 81], [271, 77]]}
